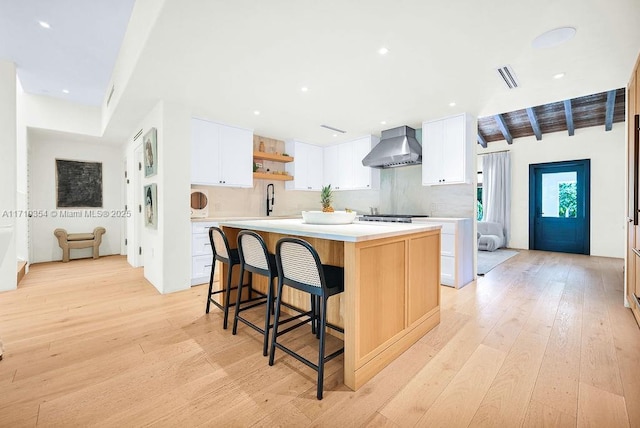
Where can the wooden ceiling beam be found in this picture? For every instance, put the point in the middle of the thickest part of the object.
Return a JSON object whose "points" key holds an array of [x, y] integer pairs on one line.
{"points": [[535, 125], [568, 113], [611, 103], [481, 140], [503, 128]]}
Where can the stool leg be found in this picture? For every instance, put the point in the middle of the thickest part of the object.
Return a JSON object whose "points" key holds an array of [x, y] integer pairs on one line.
{"points": [[272, 352], [322, 333], [227, 297], [268, 316], [238, 298], [213, 269], [317, 311], [314, 314]]}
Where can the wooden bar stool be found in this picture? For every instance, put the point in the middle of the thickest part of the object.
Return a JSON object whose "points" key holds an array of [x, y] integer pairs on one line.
{"points": [[299, 267]]}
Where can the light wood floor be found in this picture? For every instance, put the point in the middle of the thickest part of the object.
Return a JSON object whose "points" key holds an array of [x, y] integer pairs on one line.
{"points": [[541, 340]]}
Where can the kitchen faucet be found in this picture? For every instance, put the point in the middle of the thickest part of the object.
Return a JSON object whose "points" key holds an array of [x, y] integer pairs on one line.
{"points": [[273, 194]]}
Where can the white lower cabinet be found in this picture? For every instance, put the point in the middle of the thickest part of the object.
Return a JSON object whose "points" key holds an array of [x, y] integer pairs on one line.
{"points": [[201, 253], [456, 250]]}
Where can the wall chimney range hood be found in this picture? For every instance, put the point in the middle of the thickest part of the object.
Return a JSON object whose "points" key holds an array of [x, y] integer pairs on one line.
{"points": [[397, 147]]}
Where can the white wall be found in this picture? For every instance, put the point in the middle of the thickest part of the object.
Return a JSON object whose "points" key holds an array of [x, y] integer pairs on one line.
{"points": [[60, 115], [8, 174], [45, 147], [143, 18], [174, 164], [607, 153], [166, 250], [22, 203]]}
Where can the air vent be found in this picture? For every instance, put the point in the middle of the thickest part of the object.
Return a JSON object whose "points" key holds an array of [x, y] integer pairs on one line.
{"points": [[113, 88], [333, 129], [508, 76]]}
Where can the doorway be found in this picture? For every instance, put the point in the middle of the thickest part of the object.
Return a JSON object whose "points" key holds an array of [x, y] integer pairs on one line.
{"points": [[559, 206]]}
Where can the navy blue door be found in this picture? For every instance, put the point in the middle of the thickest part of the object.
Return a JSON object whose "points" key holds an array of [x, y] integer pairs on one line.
{"points": [[559, 206]]}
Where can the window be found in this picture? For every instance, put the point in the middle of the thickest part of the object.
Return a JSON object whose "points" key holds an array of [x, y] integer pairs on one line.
{"points": [[567, 199], [479, 208]]}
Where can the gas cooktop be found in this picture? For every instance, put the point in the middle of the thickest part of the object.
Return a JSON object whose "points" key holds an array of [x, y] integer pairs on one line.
{"points": [[395, 218]]}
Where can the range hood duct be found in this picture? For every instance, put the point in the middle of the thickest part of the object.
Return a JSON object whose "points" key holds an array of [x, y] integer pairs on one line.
{"points": [[397, 147]]}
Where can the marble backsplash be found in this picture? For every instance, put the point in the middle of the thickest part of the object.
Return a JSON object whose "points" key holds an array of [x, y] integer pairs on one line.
{"points": [[401, 192]]}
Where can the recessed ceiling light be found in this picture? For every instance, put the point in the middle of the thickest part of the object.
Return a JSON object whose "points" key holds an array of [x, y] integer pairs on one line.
{"points": [[452, 104], [553, 37], [383, 122], [383, 51], [256, 112], [335, 135], [44, 24], [304, 89], [65, 91], [558, 76]]}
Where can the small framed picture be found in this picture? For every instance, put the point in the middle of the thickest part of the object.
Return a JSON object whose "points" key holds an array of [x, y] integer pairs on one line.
{"points": [[150, 142], [151, 206]]}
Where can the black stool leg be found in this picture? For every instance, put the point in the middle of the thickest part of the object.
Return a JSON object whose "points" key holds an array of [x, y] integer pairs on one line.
{"points": [[238, 298], [314, 314], [213, 269], [227, 297], [317, 312], [268, 316], [322, 333], [272, 352]]}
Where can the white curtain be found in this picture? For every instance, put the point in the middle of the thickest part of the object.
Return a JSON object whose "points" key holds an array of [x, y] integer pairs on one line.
{"points": [[496, 190]]}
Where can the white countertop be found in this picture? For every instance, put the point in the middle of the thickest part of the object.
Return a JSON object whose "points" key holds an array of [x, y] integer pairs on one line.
{"points": [[235, 217], [353, 232]]}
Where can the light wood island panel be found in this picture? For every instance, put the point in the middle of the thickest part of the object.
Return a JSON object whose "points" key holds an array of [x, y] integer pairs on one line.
{"points": [[391, 297]]}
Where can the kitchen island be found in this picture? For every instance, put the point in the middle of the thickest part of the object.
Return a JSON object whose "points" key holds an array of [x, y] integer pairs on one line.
{"points": [[392, 284]]}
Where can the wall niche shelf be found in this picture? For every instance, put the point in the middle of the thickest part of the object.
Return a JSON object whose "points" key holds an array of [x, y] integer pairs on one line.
{"points": [[276, 147], [274, 177], [272, 157]]}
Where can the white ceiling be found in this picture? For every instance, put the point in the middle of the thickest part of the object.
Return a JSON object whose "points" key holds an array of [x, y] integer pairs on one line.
{"points": [[77, 53], [226, 59]]}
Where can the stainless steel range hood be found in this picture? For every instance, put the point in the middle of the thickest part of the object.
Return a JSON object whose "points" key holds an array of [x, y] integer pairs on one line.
{"points": [[397, 147]]}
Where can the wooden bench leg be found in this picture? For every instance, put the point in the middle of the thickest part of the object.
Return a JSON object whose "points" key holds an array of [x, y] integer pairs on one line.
{"points": [[65, 255]]}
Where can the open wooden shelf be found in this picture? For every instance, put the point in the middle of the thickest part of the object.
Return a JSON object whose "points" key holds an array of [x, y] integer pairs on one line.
{"points": [[272, 157], [275, 177]]}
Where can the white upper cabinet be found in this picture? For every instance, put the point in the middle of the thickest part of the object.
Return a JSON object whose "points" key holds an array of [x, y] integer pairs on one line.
{"points": [[447, 150], [364, 177], [343, 167], [221, 155], [307, 167], [331, 170]]}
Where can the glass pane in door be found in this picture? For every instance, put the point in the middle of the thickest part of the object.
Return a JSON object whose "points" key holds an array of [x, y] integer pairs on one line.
{"points": [[559, 194]]}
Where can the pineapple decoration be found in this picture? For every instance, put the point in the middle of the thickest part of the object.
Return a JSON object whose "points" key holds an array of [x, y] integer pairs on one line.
{"points": [[326, 195]]}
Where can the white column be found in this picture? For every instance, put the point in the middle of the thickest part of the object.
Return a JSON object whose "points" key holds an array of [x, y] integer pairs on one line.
{"points": [[8, 176]]}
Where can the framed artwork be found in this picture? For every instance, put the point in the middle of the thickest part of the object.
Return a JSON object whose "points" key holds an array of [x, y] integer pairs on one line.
{"points": [[150, 142], [151, 206], [78, 184]]}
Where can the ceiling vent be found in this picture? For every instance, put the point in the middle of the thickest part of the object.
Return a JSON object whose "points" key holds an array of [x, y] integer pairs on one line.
{"points": [[113, 88], [333, 129], [508, 76]]}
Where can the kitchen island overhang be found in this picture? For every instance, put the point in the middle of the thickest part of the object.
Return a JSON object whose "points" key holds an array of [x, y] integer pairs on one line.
{"points": [[392, 284]]}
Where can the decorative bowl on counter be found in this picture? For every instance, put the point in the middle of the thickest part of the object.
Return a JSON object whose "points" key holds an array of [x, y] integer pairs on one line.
{"points": [[336, 217]]}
